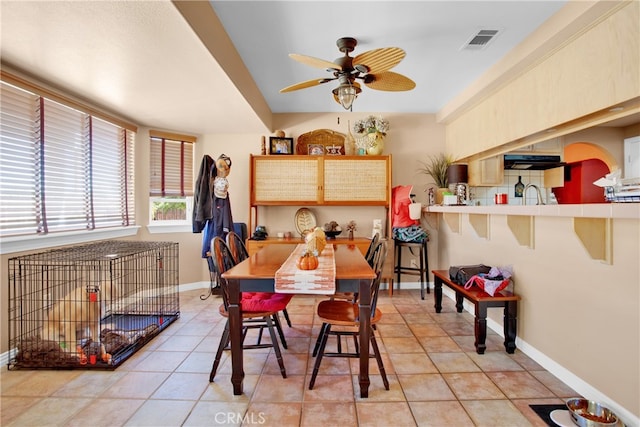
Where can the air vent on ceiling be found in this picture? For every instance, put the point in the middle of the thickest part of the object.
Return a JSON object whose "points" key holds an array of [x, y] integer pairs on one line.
{"points": [[480, 40]]}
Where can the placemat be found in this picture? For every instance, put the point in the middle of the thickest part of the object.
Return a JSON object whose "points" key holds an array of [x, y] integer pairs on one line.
{"points": [[544, 412], [289, 279]]}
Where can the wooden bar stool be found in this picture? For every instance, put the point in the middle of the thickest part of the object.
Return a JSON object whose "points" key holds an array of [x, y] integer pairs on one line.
{"points": [[422, 270]]}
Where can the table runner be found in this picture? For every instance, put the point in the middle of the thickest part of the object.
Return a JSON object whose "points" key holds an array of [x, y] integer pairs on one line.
{"points": [[290, 279]]}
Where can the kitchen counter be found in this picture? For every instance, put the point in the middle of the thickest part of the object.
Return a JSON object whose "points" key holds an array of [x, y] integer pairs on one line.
{"points": [[592, 223], [595, 210]]}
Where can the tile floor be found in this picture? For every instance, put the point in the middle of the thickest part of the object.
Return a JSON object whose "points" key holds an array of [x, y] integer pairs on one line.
{"points": [[436, 378]]}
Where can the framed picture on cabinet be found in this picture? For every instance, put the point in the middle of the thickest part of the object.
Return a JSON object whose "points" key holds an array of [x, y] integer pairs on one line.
{"points": [[279, 145], [315, 149]]}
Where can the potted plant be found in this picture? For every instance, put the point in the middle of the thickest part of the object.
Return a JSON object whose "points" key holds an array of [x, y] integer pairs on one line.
{"points": [[436, 167]]}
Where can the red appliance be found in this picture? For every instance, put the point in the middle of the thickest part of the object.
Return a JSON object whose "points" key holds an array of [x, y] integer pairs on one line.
{"points": [[578, 182]]}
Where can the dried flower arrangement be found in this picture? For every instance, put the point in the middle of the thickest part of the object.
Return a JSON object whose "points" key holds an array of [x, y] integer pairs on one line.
{"points": [[371, 124]]}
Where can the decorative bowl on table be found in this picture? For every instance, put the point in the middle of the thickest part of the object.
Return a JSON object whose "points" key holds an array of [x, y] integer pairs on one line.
{"points": [[588, 413], [331, 234]]}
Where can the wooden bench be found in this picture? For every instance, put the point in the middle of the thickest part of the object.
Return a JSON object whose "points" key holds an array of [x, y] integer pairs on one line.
{"points": [[481, 300]]}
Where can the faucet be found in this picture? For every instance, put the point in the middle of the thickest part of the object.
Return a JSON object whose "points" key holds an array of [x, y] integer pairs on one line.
{"points": [[524, 194]]}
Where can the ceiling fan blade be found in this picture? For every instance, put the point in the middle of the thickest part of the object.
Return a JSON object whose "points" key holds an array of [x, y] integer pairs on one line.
{"points": [[305, 84], [389, 81], [379, 60], [315, 62]]}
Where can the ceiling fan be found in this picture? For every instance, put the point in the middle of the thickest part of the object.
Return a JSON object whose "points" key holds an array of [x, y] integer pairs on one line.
{"points": [[371, 67]]}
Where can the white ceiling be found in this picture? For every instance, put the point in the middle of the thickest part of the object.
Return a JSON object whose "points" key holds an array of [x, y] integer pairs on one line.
{"points": [[143, 59]]}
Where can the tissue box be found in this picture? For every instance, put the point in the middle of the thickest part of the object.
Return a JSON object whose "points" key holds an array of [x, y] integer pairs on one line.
{"points": [[450, 200]]}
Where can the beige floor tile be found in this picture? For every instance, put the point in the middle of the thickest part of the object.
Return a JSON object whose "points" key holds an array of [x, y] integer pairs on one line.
{"points": [[12, 407], [458, 328], [136, 385], [440, 414], [181, 343], [273, 414], [41, 383], [526, 362], [316, 414], [329, 388], [453, 362], [182, 386], [427, 330], [550, 381], [197, 362], [439, 344], [162, 361], [391, 318], [394, 330], [106, 413], [155, 413], [9, 379], [217, 414], [274, 388], [472, 386], [331, 365], [495, 413], [403, 345], [417, 318], [296, 344], [412, 363], [492, 361], [49, 412], [294, 364], [519, 385], [90, 384], [424, 387], [384, 414]]}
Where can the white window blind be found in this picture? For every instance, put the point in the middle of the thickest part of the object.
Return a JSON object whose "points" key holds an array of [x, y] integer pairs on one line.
{"points": [[171, 170], [62, 169]]}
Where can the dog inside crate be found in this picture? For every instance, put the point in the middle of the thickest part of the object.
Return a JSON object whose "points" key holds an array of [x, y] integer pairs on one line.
{"points": [[92, 310]]}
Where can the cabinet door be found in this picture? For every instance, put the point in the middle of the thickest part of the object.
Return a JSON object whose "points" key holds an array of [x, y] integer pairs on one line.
{"points": [[632, 157], [285, 179], [356, 181], [487, 172]]}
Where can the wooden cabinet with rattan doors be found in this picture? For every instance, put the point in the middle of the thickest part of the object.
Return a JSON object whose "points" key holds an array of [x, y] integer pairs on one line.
{"points": [[302, 180]]}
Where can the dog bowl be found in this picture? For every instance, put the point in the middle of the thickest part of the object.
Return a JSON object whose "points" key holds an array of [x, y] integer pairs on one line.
{"points": [[588, 413]]}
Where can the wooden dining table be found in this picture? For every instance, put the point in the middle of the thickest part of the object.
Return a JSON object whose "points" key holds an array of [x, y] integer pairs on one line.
{"points": [[257, 274]]}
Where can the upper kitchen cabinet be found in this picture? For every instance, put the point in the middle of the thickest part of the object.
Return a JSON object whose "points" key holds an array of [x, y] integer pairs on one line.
{"points": [[487, 172], [573, 85]]}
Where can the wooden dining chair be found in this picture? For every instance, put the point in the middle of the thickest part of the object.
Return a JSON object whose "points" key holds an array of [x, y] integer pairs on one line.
{"points": [[345, 314], [240, 253], [256, 314], [350, 296]]}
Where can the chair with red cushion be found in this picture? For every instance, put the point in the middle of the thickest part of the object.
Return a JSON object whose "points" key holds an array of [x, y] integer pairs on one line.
{"points": [[345, 314], [257, 312], [240, 253]]}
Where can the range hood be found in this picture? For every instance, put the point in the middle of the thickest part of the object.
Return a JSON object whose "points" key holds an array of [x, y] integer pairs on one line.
{"points": [[532, 162]]}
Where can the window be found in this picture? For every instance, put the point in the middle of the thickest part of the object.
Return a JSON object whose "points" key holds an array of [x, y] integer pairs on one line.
{"points": [[62, 169], [171, 178]]}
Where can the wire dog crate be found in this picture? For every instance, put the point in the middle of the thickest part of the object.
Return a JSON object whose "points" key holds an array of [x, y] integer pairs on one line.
{"points": [[90, 306]]}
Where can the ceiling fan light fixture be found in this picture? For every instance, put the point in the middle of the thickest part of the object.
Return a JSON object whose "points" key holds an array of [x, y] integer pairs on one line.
{"points": [[346, 93]]}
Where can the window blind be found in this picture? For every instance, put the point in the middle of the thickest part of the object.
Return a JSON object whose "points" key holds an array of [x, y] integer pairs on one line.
{"points": [[61, 168], [171, 169]]}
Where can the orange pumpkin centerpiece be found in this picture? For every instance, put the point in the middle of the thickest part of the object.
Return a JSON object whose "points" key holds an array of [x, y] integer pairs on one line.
{"points": [[307, 261]]}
